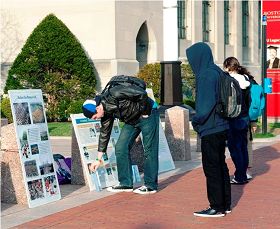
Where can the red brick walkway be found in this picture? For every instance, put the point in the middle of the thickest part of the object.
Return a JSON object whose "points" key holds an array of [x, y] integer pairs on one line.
{"points": [[255, 205]]}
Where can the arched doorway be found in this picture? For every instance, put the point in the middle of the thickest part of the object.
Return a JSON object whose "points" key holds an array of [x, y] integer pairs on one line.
{"points": [[142, 44]]}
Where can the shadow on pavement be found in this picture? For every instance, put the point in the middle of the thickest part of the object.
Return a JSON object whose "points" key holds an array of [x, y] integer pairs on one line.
{"points": [[261, 166]]}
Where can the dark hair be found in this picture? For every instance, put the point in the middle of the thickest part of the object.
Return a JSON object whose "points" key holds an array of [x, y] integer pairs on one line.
{"points": [[232, 64]]}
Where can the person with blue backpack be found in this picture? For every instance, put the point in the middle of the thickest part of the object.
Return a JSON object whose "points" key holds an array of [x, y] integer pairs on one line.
{"points": [[250, 110]]}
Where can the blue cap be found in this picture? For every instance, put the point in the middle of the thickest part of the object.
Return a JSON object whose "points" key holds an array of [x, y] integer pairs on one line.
{"points": [[89, 108]]}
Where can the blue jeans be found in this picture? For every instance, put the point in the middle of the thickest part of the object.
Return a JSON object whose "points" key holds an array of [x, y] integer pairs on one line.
{"points": [[237, 145], [150, 131]]}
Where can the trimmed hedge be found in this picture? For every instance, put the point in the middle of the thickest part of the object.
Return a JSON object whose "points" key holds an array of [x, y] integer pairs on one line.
{"points": [[6, 111], [53, 60]]}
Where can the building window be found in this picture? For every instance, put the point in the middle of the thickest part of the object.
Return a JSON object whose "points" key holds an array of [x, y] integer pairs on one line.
{"points": [[226, 21], [205, 21], [245, 24], [181, 19], [259, 23]]}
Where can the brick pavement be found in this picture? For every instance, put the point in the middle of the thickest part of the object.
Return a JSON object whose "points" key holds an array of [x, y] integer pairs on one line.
{"points": [[255, 205]]}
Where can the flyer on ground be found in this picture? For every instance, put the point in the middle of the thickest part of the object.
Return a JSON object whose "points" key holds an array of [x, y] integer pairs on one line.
{"points": [[36, 157], [87, 133]]}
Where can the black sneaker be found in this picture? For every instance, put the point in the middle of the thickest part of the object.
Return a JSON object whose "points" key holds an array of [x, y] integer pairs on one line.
{"points": [[144, 190], [209, 212], [120, 188]]}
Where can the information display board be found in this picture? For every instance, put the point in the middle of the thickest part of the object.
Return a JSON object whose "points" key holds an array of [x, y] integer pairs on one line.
{"points": [[36, 158], [166, 162], [87, 133]]}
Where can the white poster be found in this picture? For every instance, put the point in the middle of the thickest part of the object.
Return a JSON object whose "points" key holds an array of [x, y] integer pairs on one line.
{"points": [[165, 162], [34, 147], [87, 133]]}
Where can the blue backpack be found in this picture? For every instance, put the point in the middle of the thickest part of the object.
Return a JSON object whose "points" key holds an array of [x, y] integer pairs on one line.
{"points": [[257, 101]]}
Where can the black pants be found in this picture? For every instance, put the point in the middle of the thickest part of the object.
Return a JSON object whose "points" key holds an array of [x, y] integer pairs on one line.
{"points": [[216, 170]]}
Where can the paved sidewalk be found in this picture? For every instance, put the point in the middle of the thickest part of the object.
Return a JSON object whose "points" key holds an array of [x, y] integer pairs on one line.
{"points": [[255, 205]]}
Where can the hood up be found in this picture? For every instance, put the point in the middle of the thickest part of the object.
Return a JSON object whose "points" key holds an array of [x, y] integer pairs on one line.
{"points": [[200, 57]]}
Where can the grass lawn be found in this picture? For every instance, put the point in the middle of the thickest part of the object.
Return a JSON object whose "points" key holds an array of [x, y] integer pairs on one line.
{"points": [[60, 128], [65, 129]]}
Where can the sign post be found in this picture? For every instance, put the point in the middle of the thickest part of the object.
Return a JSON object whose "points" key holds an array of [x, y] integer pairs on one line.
{"points": [[264, 57]]}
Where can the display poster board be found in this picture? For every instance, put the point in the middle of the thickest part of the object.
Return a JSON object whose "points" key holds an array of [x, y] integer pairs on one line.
{"points": [[166, 162], [272, 11], [33, 141], [87, 133]]}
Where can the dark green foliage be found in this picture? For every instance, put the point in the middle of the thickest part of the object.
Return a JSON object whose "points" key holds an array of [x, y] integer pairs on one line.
{"points": [[150, 73], [189, 102], [6, 111], [75, 107], [188, 80], [53, 60]]}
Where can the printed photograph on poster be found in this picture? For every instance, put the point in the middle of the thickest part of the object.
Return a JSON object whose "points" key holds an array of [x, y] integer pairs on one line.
{"points": [[22, 113], [44, 135], [86, 153], [51, 185], [92, 132], [34, 149], [87, 133], [113, 141], [31, 168], [24, 146], [97, 127], [35, 189], [37, 113], [89, 152], [273, 56], [46, 165]]}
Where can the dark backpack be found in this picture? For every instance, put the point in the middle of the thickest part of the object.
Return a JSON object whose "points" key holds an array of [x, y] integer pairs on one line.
{"points": [[230, 96], [127, 81]]}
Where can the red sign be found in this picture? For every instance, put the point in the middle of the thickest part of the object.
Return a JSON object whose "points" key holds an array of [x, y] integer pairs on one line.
{"points": [[272, 11]]}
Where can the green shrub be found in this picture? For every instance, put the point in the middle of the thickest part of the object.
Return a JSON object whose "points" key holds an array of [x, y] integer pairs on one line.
{"points": [[150, 73], [6, 111], [189, 102], [188, 81], [53, 60], [75, 107]]}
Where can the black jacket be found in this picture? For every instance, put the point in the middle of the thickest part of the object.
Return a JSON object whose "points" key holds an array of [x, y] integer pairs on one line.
{"points": [[276, 63], [125, 103]]}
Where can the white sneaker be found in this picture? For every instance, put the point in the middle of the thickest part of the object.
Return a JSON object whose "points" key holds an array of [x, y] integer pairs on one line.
{"points": [[144, 190], [249, 177], [120, 188]]}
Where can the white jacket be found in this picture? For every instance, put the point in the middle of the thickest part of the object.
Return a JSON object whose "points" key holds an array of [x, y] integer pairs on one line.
{"points": [[241, 80]]}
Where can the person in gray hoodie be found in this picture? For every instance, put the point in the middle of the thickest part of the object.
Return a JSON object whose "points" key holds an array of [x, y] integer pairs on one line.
{"points": [[212, 129]]}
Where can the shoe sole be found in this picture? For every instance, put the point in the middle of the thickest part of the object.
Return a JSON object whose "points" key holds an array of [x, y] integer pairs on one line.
{"points": [[227, 212], [144, 193], [119, 190], [238, 183], [209, 216]]}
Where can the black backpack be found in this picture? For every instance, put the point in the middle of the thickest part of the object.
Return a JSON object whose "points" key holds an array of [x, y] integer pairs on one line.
{"points": [[125, 81], [230, 96]]}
